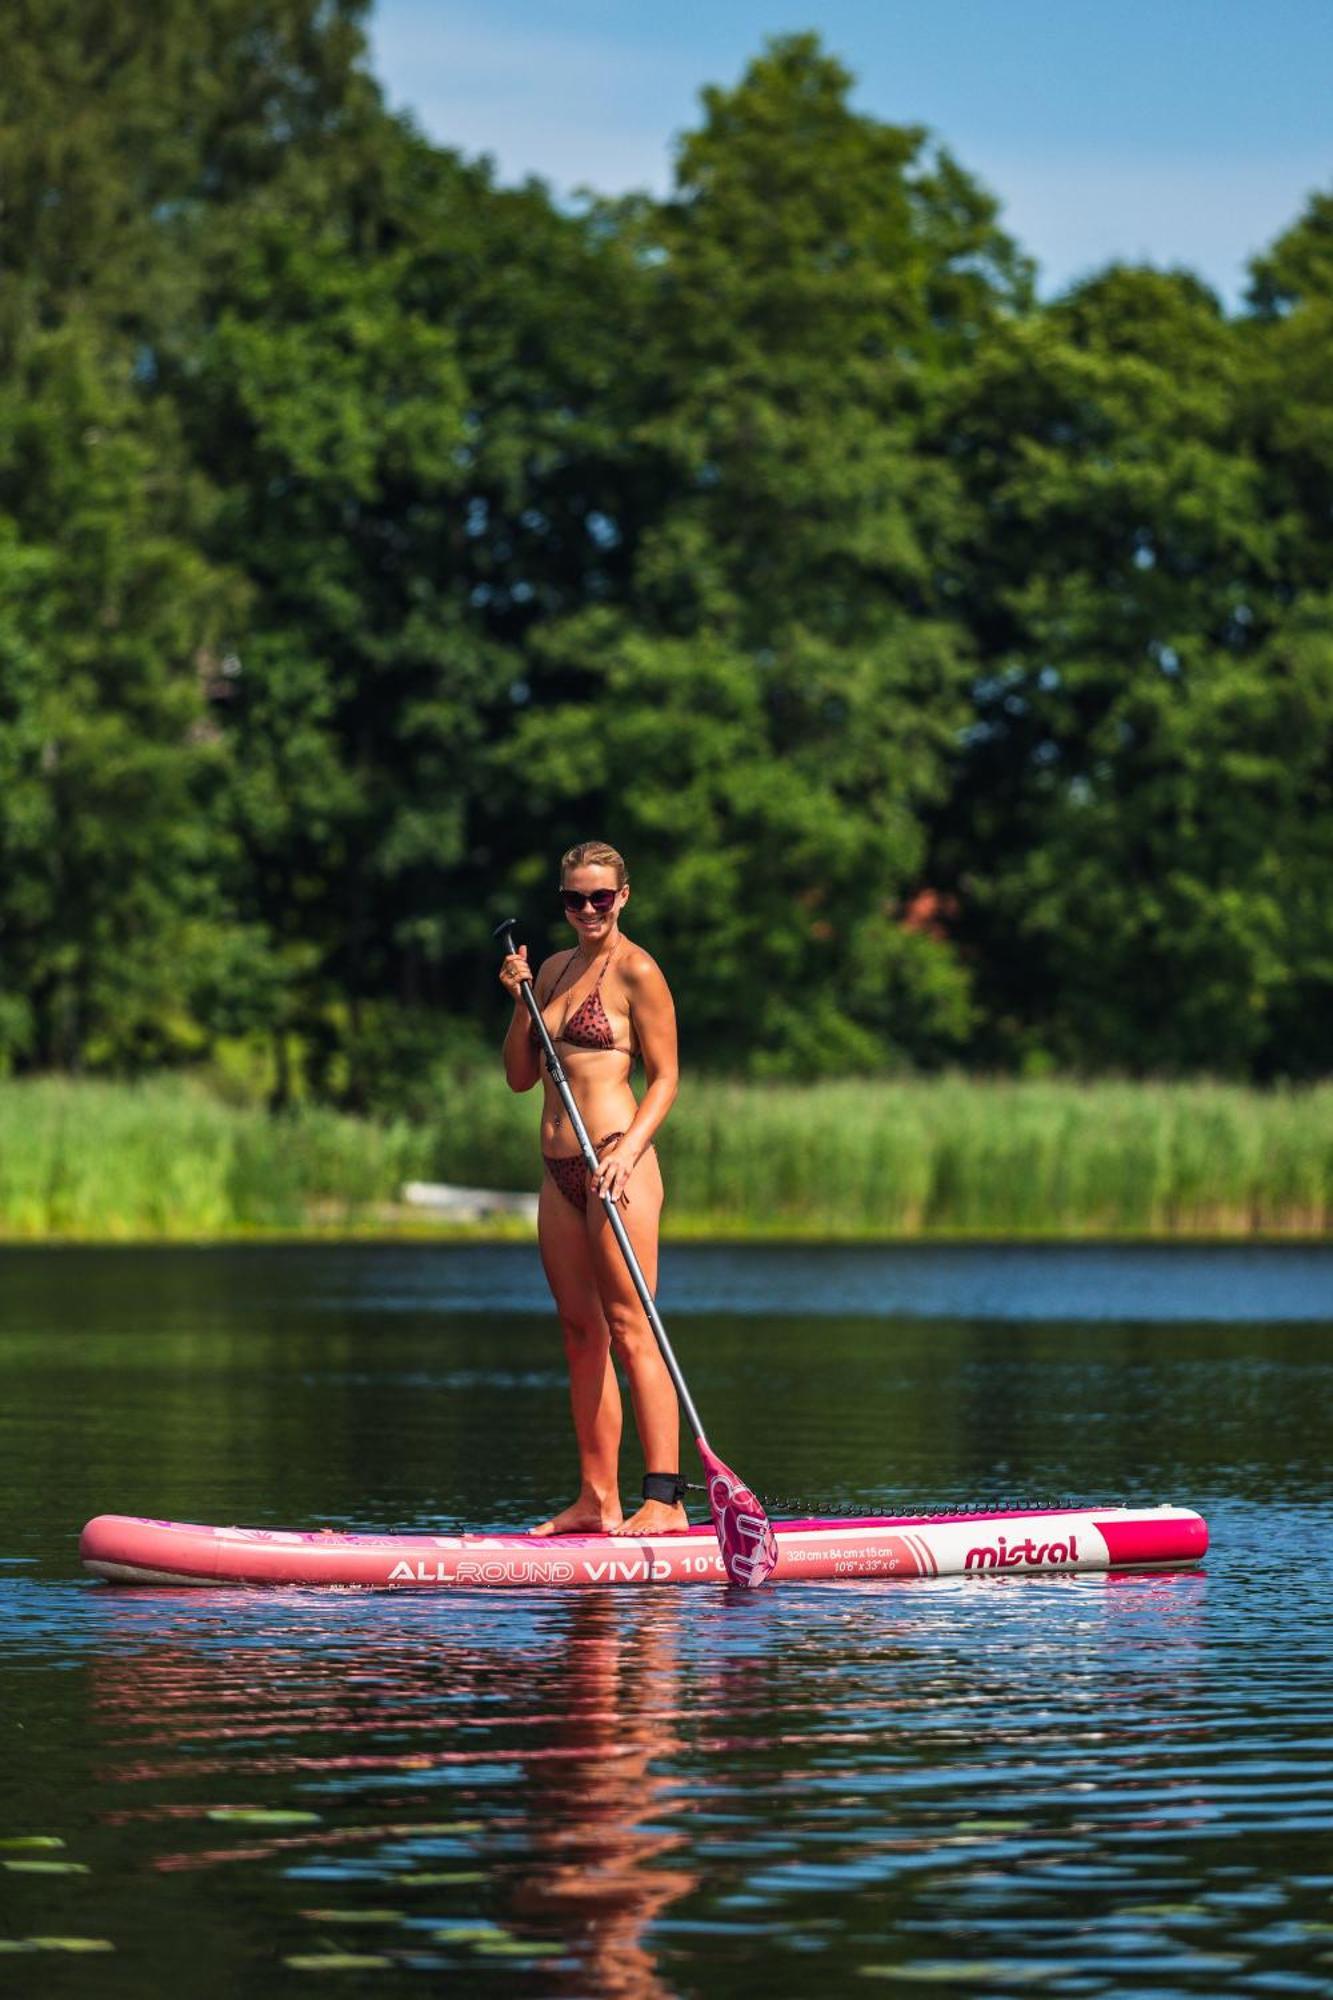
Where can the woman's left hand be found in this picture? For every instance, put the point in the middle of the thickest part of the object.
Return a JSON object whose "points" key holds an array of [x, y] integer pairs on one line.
{"points": [[614, 1168]]}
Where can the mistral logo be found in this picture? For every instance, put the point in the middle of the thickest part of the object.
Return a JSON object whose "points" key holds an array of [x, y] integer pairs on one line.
{"points": [[1026, 1554]]}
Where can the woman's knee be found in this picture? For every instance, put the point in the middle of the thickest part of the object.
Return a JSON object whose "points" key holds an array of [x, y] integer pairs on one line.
{"points": [[583, 1329], [631, 1334]]}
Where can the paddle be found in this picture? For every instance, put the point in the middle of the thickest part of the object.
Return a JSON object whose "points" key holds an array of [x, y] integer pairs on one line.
{"points": [[744, 1532]]}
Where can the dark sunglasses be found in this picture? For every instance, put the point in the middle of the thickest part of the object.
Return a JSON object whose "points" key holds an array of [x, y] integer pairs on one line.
{"points": [[601, 900]]}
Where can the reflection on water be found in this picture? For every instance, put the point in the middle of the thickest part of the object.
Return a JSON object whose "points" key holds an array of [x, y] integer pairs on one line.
{"points": [[547, 1755], [1064, 1784], [1060, 1781]]}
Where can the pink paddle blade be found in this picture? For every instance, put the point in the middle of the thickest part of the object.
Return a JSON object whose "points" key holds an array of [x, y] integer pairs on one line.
{"points": [[744, 1533]]}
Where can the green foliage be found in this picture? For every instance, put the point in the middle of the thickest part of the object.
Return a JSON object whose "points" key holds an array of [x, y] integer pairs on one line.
{"points": [[948, 1156], [119, 135], [763, 714], [957, 1156], [107, 611], [369, 532], [389, 414], [96, 1161], [1134, 837]]}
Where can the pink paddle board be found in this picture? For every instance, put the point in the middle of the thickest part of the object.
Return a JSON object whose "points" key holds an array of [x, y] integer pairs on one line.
{"points": [[124, 1548]]}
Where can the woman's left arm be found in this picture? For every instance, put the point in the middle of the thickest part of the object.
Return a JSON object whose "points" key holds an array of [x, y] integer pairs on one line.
{"points": [[653, 1014]]}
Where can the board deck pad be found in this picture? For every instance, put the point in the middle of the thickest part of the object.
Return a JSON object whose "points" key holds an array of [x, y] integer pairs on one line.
{"points": [[125, 1548]]}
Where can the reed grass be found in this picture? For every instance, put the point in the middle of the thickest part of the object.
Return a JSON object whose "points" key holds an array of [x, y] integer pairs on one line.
{"points": [[967, 1157], [950, 1156], [104, 1162]]}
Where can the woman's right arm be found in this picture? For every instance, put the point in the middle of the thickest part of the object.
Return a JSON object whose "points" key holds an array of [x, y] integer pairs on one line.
{"points": [[522, 1056]]}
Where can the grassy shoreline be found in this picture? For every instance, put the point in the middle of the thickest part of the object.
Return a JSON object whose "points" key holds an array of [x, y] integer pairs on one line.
{"points": [[921, 1160]]}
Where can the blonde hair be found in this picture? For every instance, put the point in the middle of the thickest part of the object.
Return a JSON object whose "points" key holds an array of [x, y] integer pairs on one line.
{"points": [[595, 854]]}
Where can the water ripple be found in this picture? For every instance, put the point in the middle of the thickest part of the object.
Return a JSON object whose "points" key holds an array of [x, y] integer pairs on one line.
{"points": [[1070, 1785]]}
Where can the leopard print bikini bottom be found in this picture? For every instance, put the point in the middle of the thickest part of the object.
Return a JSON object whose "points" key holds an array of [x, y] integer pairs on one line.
{"points": [[571, 1175]]}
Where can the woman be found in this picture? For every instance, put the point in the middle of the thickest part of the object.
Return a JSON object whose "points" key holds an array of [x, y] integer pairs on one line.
{"points": [[603, 1001]]}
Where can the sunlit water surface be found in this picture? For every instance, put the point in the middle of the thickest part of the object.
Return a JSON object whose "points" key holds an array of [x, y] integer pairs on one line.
{"points": [[999, 1785]]}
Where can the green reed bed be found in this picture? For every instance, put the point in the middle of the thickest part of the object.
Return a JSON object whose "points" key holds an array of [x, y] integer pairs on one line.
{"points": [[942, 1157], [90, 1161], [958, 1156]]}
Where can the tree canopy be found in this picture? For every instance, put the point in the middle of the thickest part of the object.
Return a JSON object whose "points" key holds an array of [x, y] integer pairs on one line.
{"points": [[954, 668]]}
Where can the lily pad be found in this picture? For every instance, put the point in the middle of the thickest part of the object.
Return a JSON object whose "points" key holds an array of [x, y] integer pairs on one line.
{"points": [[354, 1916], [262, 1816], [519, 1948], [70, 1944], [48, 1867], [448, 1878], [338, 1961], [944, 1972]]}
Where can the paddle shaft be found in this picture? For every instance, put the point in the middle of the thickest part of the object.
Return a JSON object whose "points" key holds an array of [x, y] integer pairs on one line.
{"points": [[559, 1078]]}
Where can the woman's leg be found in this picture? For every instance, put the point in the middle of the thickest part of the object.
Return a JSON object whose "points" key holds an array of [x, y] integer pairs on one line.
{"points": [[594, 1393], [656, 1411]]}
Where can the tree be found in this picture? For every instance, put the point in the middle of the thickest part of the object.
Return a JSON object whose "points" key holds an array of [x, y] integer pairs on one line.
{"points": [[122, 135], [1117, 838], [109, 611], [763, 715], [400, 387], [1290, 429]]}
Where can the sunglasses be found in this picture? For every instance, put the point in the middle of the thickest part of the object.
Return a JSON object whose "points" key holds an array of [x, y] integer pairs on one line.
{"points": [[601, 900]]}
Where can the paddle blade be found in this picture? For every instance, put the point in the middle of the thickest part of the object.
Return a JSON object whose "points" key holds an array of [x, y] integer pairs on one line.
{"points": [[744, 1532]]}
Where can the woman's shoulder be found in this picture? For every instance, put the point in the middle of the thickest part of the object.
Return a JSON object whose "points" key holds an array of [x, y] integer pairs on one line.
{"points": [[550, 969], [637, 967]]}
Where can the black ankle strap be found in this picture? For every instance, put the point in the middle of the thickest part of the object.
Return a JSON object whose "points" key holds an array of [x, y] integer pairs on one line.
{"points": [[668, 1486]]}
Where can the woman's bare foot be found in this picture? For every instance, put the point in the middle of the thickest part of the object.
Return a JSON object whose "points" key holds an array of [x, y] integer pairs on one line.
{"points": [[587, 1516], [655, 1517]]}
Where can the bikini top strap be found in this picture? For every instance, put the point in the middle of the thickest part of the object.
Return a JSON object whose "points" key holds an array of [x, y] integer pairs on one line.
{"points": [[533, 1036], [555, 983], [633, 1048], [597, 983], [605, 962]]}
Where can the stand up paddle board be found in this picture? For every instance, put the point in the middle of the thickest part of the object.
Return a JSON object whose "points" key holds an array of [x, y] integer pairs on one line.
{"points": [[126, 1549]]}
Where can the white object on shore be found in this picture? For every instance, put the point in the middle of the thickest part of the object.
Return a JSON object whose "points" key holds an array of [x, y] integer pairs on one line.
{"points": [[466, 1204]]}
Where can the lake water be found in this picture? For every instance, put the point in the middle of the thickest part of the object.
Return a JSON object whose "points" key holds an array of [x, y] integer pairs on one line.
{"points": [[986, 1785]]}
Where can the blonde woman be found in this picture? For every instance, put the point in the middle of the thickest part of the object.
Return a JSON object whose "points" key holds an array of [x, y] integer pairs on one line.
{"points": [[604, 1001]]}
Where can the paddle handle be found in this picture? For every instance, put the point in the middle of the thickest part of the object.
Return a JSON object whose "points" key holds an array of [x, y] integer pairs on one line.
{"points": [[560, 1079]]}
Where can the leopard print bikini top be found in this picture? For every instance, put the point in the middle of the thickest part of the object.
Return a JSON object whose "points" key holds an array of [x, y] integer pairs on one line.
{"points": [[587, 1027]]}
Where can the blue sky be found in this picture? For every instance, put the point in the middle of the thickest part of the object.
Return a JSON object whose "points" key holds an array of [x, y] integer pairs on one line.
{"points": [[1183, 132]]}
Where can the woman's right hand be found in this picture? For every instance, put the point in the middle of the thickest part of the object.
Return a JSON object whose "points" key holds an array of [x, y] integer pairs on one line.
{"points": [[514, 970]]}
